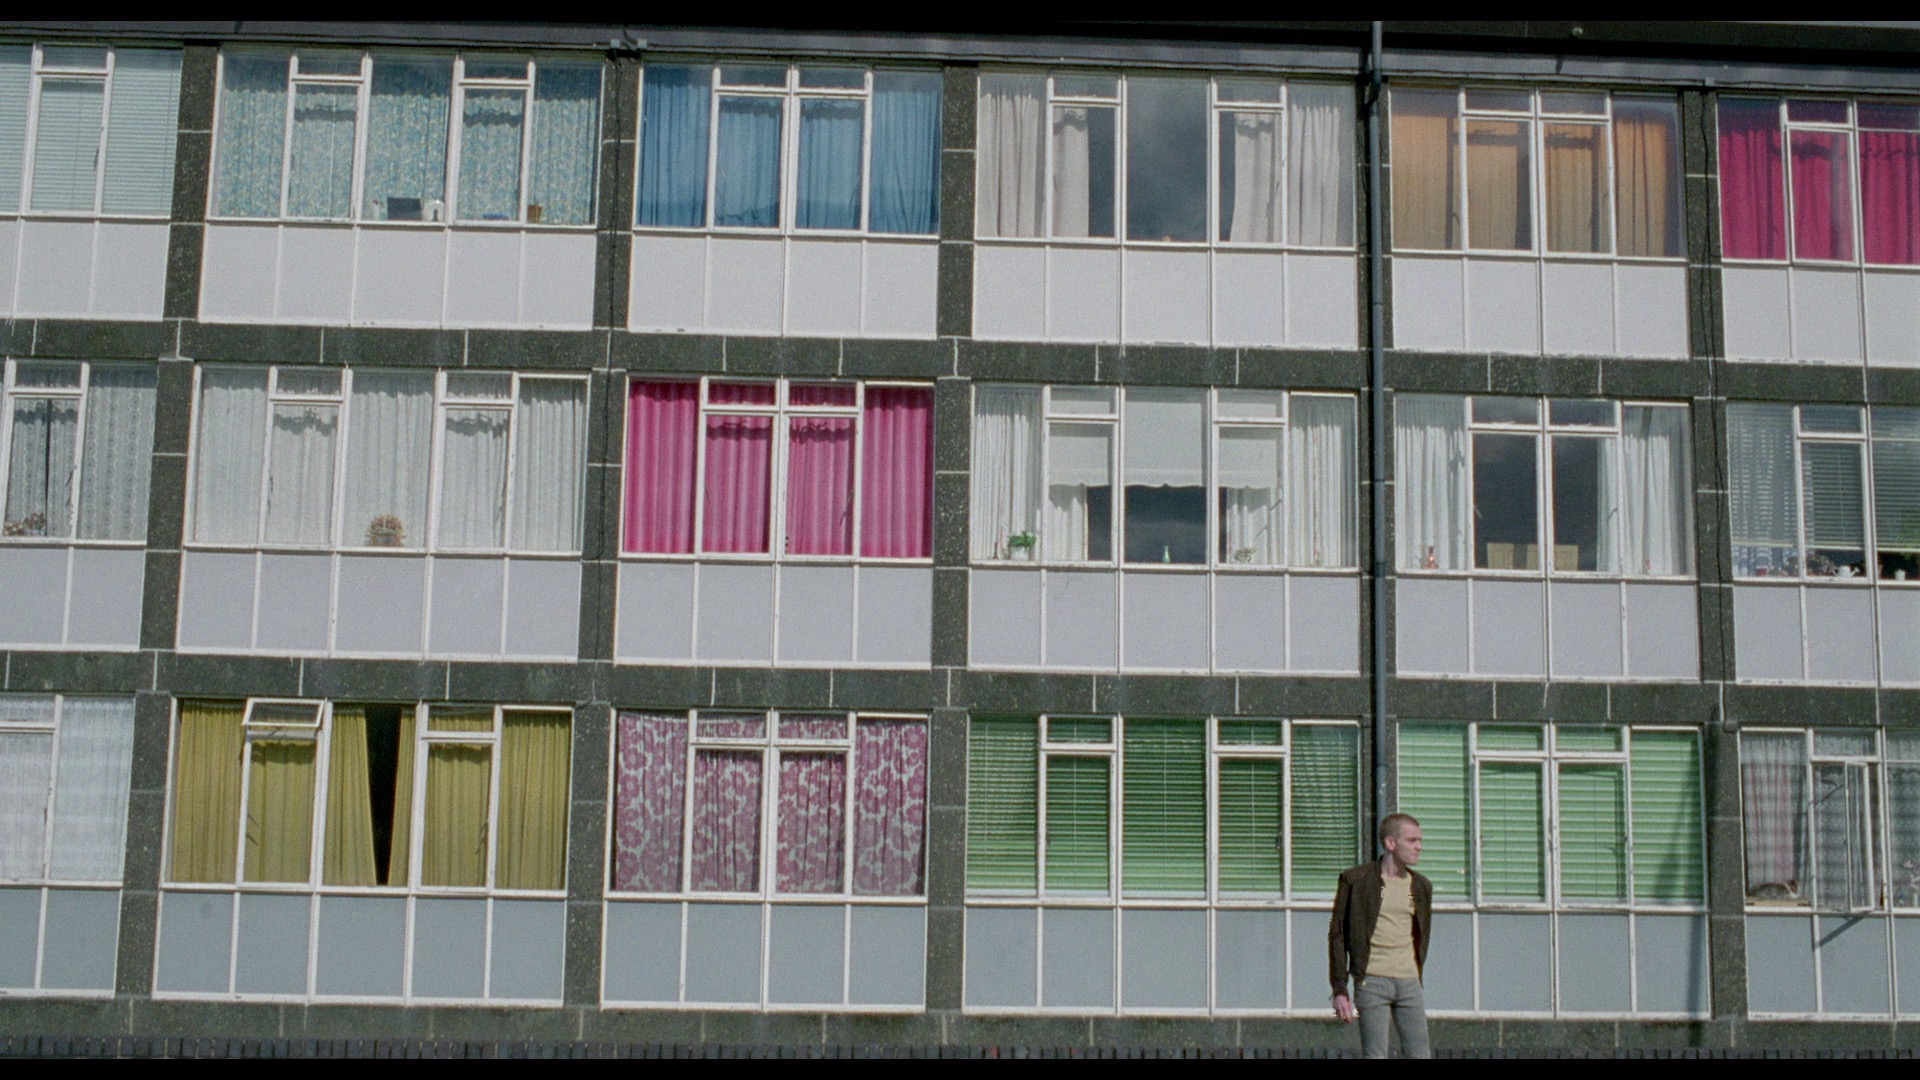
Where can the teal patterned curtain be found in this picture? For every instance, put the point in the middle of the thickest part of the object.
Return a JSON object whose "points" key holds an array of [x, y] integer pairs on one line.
{"points": [[407, 137], [566, 123], [321, 180], [253, 120], [490, 127]]}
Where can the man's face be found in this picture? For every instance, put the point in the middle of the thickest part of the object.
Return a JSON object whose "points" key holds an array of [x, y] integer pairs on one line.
{"points": [[1406, 846]]}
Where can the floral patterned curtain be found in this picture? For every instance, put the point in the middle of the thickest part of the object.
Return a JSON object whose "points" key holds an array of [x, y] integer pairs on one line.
{"points": [[649, 802], [890, 808]]}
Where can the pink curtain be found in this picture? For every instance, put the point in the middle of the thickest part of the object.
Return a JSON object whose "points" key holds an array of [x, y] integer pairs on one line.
{"points": [[1752, 194], [1822, 195], [836, 394], [1890, 196], [813, 727], [896, 513], [663, 422], [739, 473], [820, 486], [649, 802], [726, 821], [890, 808], [813, 828]]}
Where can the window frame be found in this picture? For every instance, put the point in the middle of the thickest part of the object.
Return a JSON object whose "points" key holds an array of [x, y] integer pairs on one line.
{"points": [[41, 72], [10, 393]]}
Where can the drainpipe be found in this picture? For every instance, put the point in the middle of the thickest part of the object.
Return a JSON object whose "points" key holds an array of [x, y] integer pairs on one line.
{"points": [[1377, 403]]}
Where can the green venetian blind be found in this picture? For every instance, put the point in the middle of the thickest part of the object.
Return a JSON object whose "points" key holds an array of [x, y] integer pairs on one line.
{"points": [[1668, 863], [1078, 817], [1593, 832], [1433, 788], [1250, 826], [1164, 808], [1512, 832], [16, 82], [1326, 805], [1003, 805]]}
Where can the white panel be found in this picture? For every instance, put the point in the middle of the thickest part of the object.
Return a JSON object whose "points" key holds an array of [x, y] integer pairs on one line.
{"points": [[1899, 629], [1429, 614], [745, 285], [1010, 292], [1081, 614], [9, 262], [735, 613], [556, 280], [1755, 301], [1586, 619], [655, 612], [400, 277], [1576, 308], [36, 595], [1249, 622], [216, 600], [380, 604], [1663, 632], [895, 621], [1893, 318], [1503, 305], [238, 271], [816, 614], [543, 608], [104, 609], [1650, 310], [902, 289], [1323, 300], [1509, 637], [1826, 315], [823, 287], [1165, 624], [1840, 646], [1766, 632], [293, 611], [315, 274], [1248, 298], [1083, 294], [669, 289], [130, 273], [1427, 303], [483, 277], [1323, 614], [1004, 618], [1166, 296], [468, 595], [56, 264]]}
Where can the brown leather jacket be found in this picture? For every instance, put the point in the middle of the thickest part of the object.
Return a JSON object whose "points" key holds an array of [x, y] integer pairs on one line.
{"points": [[1356, 908]]}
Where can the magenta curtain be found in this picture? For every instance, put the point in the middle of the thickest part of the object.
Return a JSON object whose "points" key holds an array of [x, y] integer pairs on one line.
{"points": [[896, 475], [1890, 196], [820, 486], [813, 828], [649, 802], [726, 821], [1752, 192], [890, 808], [739, 473], [1822, 195], [663, 424]]}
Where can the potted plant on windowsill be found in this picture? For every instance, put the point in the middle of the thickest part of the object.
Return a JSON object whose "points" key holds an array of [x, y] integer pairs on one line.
{"points": [[1021, 545], [386, 530]]}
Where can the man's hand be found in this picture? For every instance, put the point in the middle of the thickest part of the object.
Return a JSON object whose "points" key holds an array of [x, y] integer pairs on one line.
{"points": [[1343, 1008]]}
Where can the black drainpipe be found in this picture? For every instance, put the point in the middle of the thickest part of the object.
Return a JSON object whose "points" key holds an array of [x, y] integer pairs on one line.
{"points": [[1377, 403]]}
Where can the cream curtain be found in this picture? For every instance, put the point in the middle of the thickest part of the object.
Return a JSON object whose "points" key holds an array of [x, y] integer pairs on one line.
{"points": [[1577, 218], [280, 781], [348, 857], [1320, 131], [1081, 460], [300, 474], [1499, 185], [232, 449], [90, 793], [1659, 491], [550, 450], [1072, 171], [1251, 525], [1012, 155], [1430, 482], [1006, 469], [1646, 175], [1321, 482], [534, 764], [1254, 142], [1425, 133], [389, 449], [206, 792], [26, 770], [454, 836]]}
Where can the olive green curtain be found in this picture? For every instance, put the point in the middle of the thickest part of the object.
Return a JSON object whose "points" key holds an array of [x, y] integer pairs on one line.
{"points": [[454, 837], [206, 791], [534, 762], [280, 780], [1577, 188], [348, 855], [1499, 183], [399, 867]]}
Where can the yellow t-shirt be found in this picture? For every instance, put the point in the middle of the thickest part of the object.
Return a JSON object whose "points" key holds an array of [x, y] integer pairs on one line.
{"points": [[1390, 953]]}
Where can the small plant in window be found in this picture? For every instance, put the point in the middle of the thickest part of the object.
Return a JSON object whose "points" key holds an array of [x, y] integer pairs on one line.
{"points": [[386, 530], [34, 524], [1020, 545], [1242, 555]]}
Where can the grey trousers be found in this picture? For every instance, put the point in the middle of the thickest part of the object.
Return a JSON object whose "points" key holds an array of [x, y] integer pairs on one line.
{"points": [[1379, 999]]}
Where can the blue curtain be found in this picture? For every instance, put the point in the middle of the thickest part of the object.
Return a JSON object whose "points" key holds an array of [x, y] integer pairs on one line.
{"points": [[746, 180], [253, 122], [905, 183], [673, 146], [830, 134], [490, 155], [566, 121], [407, 137], [320, 181]]}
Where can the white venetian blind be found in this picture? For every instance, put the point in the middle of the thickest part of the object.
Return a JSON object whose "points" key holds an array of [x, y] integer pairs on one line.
{"points": [[140, 132], [15, 81], [66, 145]]}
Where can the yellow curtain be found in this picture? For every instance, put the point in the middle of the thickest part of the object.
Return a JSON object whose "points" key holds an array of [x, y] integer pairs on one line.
{"points": [[348, 856], [1499, 209], [1646, 136], [534, 751], [280, 779], [1425, 142], [458, 719], [1577, 188], [454, 841], [399, 869], [206, 791]]}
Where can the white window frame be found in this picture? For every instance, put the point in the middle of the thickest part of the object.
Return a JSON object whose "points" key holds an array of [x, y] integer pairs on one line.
{"points": [[10, 392], [42, 71]]}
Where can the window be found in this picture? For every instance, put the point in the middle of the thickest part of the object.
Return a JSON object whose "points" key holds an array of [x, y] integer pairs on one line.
{"points": [[88, 129], [1483, 483], [63, 807], [337, 136], [1087, 806], [1570, 815], [784, 468], [1206, 476], [77, 452], [1166, 158], [1470, 166], [1832, 819], [1806, 482], [1832, 181], [800, 147], [739, 804], [454, 461], [271, 792]]}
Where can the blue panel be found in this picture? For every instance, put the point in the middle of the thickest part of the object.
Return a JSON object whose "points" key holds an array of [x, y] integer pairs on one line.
{"points": [[83, 939], [1323, 616], [529, 950], [1594, 969], [107, 587], [1853, 966], [1076, 967], [449, 948], [37, 595], [295, 601], [363, 946], [19, 937], [723, 953], [642, 953], [1840, 645], [216, 600], [273, 944], [889, 961], [468, 595], [1004, 613], [381, 605], [807, 961], [1587, 620], [1906, 951], [1166, 622], [196, 943], [1450, 961], [1780, 964], [1671, 957], [1081, 612], [1516, 956], [656, 612], [1308, 939], [1663, 632], [735, 614], [1002, 957], [896, 616], [816, 614], [1163, 959], [1428, 616], [1766, 632], [1509, 632], [1250, 959], [1249, 632], [543, 608]]}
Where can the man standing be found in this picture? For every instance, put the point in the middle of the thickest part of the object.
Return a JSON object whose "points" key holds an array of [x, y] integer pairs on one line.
{"points": [[1382, 921]]}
